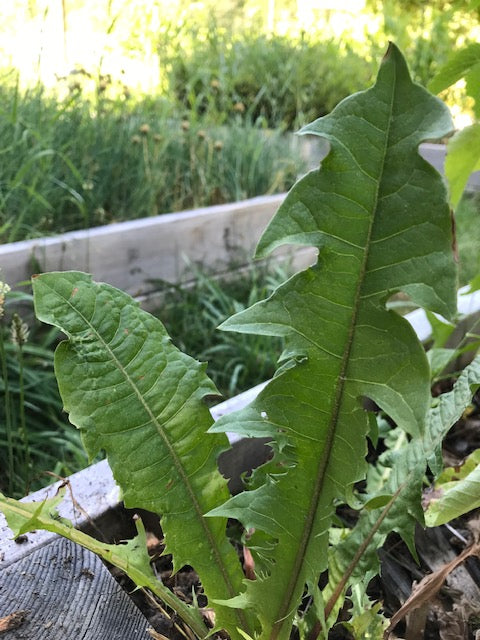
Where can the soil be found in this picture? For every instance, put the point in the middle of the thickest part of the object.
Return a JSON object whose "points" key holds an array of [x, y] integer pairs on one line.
{"points": [[451, 612]]}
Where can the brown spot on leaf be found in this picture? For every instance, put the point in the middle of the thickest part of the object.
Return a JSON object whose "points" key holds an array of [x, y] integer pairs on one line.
{"points": [[430, 494]]}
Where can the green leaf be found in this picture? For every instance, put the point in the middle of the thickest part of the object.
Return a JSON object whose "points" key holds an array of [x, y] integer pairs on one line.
{"points": [[378, 214], [369, 622], [380, 500], [441, 330], [134, 395], [131, 556], [474, 284], [458, 65], [460, 492], [438, 359], [449, 409], [463, 158], [403, 472]]}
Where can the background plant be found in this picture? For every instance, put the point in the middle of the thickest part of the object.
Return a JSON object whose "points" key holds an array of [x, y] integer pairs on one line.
{"points": [[35, 435], [83, 143], [463, 150], [467, 216], [72, 163], [264, 78], [192, 313], [426, 32]]}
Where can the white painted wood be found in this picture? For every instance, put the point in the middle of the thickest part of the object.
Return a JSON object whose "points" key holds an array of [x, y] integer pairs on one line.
{"points": [[94, 490], [67, 593], [130, 254]]}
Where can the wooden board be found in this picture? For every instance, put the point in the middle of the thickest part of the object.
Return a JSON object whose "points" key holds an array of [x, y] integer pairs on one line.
{"points": [[131, 255], [63, 592], [95, 493]]}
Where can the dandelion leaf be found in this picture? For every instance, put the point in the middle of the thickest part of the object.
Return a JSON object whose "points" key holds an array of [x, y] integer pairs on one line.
{"points": [[403, 472], [136, 396], [379, 216]]}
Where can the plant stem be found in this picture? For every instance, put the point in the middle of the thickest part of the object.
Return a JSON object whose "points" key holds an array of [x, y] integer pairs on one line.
{"points": [[133, 566], [8, 411], [23, 425], [351, 567]]}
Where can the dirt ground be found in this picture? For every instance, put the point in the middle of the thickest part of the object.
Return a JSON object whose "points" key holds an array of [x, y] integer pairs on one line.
{"points": [[445, 583]]}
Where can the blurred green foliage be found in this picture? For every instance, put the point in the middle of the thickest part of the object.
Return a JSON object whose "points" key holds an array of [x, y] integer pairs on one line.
{"points": [[427, 32], [282, 82], [91, 149], [77, 162]]}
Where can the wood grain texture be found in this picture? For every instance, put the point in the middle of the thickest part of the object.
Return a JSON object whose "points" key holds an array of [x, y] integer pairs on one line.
{"points": [[65, 593], [131, 254]]}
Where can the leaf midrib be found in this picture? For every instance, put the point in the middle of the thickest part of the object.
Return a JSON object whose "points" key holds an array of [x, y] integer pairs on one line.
{"points": [[287, 604], [176, 461]]}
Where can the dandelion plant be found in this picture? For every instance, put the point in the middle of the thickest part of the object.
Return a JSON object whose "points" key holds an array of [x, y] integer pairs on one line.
{"points": [[378, 214]]}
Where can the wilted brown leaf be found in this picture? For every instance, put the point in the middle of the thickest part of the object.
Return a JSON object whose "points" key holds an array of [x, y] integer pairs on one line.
{"points": [[428, 587], [12, 621]]}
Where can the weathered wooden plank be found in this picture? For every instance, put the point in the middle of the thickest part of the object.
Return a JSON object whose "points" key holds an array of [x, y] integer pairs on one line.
{"points": [[129, 255], [63, 592], [95, 493]]}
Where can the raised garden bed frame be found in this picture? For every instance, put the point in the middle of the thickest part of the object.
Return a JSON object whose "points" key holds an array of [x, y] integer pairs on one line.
{"points": [[131, 255]]}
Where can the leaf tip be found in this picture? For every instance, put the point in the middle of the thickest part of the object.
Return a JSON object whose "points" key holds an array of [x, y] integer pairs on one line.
{"points": [[390, 48]]}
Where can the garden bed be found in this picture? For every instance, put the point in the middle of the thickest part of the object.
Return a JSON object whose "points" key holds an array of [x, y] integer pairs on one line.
{"points": [[23, 562], [132, 255], [59, 590]]}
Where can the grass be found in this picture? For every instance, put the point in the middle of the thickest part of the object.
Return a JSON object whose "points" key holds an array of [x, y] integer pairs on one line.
{"points": [[192, 312], [76, 162], [281, 81], [35, 435]]}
